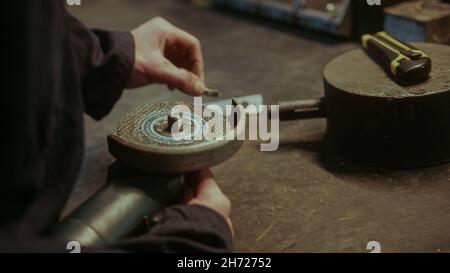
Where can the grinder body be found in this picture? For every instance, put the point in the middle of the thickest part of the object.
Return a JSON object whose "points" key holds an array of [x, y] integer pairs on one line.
{"points": [[118, 208]]}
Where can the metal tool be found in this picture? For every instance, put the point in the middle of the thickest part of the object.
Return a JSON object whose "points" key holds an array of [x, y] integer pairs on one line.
{"points": [[155, 163], [118, 208], [399, 59], [372, 120]]}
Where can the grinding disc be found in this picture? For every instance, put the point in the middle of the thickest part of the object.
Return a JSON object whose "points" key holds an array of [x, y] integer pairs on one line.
{"points": [[143, 141]]}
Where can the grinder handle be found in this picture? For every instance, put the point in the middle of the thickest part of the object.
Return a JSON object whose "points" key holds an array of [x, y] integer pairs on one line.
{"points": [[117, 209], [400, 59], [302, 109]]}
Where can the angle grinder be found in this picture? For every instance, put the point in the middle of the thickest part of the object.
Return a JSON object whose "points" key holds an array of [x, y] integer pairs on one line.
{"points": [[155, 162]]}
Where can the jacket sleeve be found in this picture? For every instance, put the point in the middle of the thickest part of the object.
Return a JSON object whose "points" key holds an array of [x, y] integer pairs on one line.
{"points": [[184, 228], [105, 60]]}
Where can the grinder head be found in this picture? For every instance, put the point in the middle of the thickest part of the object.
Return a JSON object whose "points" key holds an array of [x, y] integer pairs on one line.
{"points": [[144, 140]]}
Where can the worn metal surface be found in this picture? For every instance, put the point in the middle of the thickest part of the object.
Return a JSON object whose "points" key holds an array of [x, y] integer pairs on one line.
{"points": [[289, 200]]}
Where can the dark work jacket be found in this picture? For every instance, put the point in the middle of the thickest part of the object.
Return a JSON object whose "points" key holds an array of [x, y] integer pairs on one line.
{"points": [[56, 69]]}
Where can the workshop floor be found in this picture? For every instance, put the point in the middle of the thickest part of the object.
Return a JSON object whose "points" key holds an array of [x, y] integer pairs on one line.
{"points": [[289, 200]]}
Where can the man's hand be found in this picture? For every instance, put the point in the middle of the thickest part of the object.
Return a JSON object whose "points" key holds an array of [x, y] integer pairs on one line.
{"points": [[168, 55], [202, 189]]}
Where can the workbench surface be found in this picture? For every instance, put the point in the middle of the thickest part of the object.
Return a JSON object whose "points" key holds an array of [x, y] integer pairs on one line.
{"points": [[296, 199]]}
